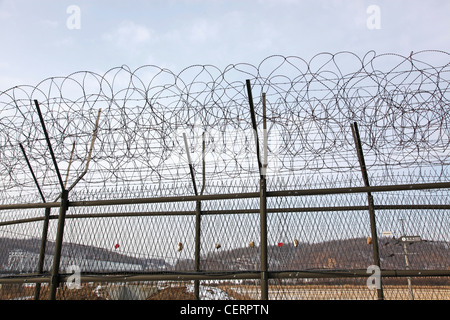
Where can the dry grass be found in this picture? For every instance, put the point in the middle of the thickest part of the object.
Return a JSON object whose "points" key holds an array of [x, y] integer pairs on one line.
{"points": [[172, 293], [233, 294], [249, 292], [18, 292], [180, 293]]}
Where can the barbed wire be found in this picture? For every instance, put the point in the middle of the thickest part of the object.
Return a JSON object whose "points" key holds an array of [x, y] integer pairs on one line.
{"points": [[400, 103]]}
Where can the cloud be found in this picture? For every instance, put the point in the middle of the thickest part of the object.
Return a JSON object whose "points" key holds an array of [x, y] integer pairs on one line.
{"points": [[50, 23], [274, 3], [203, 30], [6, 9], [129, 34]]}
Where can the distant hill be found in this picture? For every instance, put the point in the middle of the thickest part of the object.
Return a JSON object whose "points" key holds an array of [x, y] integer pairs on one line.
{"points": [[32, 246], [337, 254]]}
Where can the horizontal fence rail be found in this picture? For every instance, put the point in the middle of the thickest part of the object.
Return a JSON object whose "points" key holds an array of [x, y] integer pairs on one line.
{"points": [[286, 193]]}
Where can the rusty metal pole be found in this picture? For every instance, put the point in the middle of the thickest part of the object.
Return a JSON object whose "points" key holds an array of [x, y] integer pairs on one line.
{"points": [[373, 228]]}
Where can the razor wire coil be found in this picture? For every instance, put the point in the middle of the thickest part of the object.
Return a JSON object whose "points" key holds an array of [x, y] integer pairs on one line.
{"points": [[401, 105]]}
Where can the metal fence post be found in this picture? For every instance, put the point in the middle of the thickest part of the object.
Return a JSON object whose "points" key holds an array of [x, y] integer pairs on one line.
{"points": [[41, 260], [263, 203], [40, 267], [197, 248], [62, 212], [263, 236], [373, 228], [58, 244], [197, 221]]}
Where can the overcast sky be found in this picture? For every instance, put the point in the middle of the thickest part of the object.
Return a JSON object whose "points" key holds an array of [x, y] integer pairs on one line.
{"points": [[45, 38]]}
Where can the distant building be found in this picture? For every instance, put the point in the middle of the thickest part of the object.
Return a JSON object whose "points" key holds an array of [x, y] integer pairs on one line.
{"points": [[22, 261]]}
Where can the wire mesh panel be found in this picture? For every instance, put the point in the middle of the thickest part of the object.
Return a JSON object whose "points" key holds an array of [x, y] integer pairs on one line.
{"points": [[291, 179]]}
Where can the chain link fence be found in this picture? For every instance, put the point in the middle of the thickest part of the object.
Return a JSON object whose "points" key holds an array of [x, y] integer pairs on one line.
{"points": [[290, 180]]}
